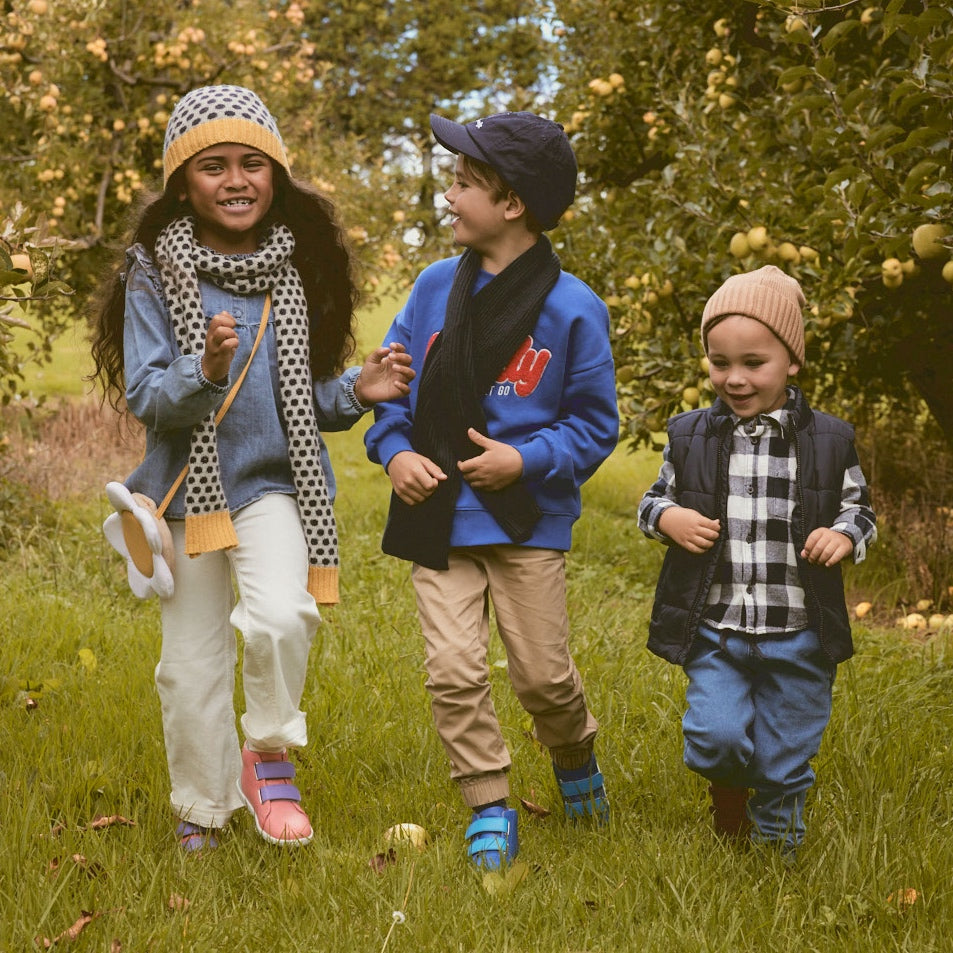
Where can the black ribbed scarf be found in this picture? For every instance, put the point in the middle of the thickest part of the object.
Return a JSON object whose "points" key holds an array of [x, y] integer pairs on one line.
{"points": [[481, 333]]}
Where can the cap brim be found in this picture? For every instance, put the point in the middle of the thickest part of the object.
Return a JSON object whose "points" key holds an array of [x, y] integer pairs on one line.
{"points": [[454, 136]]}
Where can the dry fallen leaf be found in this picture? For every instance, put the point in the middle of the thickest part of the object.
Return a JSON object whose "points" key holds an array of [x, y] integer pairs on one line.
{"points": [[91, 870], [98, 823], [179, 903], [535, 809], [903, 899], [380, 862], [70, 933]]}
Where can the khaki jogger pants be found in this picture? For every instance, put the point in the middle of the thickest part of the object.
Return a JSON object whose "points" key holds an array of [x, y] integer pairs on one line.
{"points": [[527, 587]]}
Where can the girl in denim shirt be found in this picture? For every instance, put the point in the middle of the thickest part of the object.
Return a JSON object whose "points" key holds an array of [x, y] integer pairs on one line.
{"points": [[231, 237]]}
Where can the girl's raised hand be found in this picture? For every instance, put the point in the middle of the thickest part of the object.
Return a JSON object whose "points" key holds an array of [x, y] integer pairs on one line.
{"points": [[386, 375], [221, 342]]}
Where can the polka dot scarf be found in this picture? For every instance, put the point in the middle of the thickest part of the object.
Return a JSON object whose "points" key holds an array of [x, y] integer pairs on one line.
{"points": [[208, 525]]}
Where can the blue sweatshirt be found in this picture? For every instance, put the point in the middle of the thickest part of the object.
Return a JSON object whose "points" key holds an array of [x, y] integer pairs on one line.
{"points": [[555, 402]]}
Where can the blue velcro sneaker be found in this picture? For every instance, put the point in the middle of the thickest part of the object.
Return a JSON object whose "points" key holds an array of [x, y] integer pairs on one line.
{"points": [[584, 792], [491, 838]]}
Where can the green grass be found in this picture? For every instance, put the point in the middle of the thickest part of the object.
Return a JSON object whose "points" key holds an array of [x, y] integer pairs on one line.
{"points": [[879, 819]]}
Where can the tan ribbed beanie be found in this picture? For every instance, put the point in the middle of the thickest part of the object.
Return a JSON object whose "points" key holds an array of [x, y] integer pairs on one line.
{"points": [[768, 295], [211, 115]]}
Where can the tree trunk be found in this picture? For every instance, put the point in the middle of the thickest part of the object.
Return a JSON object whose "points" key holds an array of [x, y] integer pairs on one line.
{"points": [[927, 358]]}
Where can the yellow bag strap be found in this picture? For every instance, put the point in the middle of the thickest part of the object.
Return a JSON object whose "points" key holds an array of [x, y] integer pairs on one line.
{"points": [[230, 397]]}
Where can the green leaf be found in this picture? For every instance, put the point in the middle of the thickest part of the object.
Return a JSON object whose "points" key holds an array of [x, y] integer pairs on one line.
{"points": [[826, 66], [843, 173], [837, 33], [881, 134], [925, 136], [12, 277], [904, 88], [854, 98], [793, 73], [918, 173], [501, 883], [930, 19], [811, 101]]}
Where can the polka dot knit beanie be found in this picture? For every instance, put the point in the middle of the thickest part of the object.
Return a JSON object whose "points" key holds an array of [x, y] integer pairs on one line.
{"points": [[210, 115], [768, 295]]}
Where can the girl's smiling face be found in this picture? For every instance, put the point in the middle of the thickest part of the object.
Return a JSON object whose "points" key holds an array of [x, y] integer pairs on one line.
{"points": [[749, 366], [230, 188]]}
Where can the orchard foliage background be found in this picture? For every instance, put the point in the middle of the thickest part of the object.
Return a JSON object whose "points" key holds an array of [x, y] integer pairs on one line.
{"points": [[821, 138], [89, 86], [712, 136]]}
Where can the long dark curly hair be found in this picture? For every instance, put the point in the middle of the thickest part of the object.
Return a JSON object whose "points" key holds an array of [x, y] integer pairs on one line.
{"points": [[321, 256]]}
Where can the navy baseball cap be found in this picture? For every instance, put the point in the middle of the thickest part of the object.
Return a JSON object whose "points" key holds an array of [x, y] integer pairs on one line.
{"points": [[532, 155]]}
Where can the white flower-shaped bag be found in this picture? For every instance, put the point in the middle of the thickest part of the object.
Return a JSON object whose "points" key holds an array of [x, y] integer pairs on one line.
{"points": [[138, 531]]}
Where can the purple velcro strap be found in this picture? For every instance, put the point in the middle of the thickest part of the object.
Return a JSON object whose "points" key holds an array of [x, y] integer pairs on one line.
{"points": [[274, 770], [279, 792]]}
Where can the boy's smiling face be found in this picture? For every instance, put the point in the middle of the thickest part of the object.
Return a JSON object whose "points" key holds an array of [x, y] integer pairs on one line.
{"points": [[478, 217], [749, 366]]}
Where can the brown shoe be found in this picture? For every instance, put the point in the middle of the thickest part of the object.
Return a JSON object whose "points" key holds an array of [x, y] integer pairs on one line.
{"points": [[729, 810]]}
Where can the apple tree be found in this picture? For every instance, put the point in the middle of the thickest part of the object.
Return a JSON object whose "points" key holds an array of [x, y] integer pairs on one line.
{"points": [[89, 88], [29, 259], [390, 64], [714, 137]]}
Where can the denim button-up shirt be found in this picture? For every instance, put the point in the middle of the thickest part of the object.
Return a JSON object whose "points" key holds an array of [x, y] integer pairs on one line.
{"points": [[169, 394]]}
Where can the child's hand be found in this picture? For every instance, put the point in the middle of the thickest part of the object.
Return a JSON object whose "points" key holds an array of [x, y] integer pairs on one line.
{"points": [[414, 476], [386, 375], [498, 466], [221, 342], [827, 547], [689, 528]]}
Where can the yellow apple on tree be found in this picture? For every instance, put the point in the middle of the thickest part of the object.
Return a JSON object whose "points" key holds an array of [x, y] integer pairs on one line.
{"points": [[927, 240], [758, 238], [691, 396], [787, 251], [892, 267], [21, 262], [738, 246]]}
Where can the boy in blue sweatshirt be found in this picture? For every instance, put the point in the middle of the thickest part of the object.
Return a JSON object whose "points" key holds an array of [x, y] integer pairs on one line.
{"points": [[513, 410], [759, 499]]}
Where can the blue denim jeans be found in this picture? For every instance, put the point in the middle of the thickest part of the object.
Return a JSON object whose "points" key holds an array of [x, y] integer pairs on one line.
{"points": [[756, 715]]}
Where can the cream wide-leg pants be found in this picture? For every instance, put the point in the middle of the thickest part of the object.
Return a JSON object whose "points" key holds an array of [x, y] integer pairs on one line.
{"points": [[195, 676], [528, 589]]}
